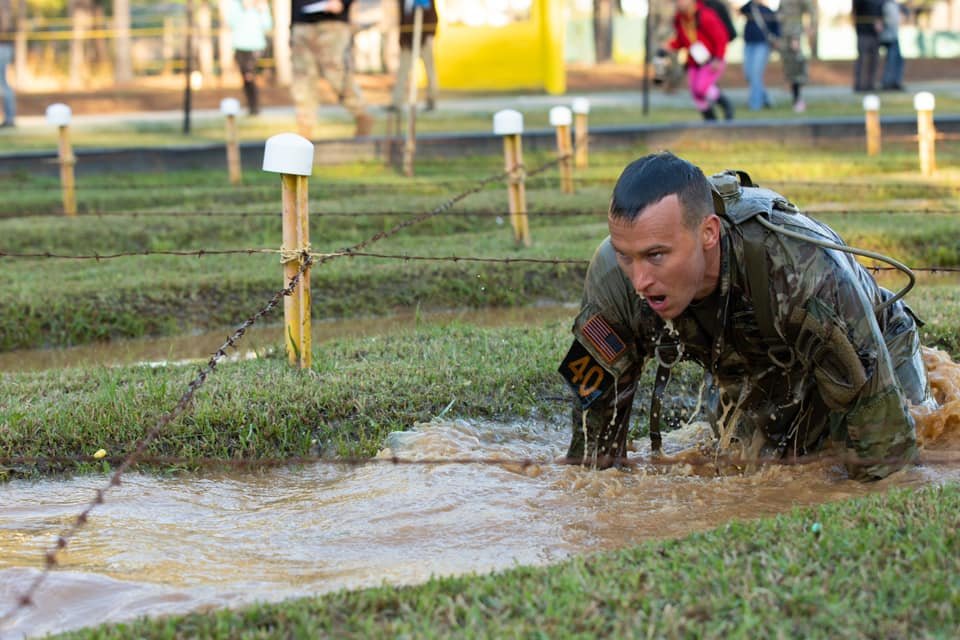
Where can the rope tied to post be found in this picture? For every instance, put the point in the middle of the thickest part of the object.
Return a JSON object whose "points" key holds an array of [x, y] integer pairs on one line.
{"points": [[300, 254], [517, 174]]}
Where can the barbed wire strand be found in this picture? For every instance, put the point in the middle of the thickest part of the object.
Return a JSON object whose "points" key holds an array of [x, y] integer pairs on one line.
{"points": [[52, 553], [484, 213], [931, 457], [352, 252]]}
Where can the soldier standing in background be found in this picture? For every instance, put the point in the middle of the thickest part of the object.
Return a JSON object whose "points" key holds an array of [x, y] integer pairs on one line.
{"points": [[798, 21], [800, 346], [868, 23], [8, 28], [320, 45]]}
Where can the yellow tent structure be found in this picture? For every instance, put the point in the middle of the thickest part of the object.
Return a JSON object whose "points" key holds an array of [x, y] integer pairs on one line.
{"points": [[500, 45]]}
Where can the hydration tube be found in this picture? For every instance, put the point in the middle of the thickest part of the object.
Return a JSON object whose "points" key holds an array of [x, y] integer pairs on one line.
{"points": [[853, 250]]}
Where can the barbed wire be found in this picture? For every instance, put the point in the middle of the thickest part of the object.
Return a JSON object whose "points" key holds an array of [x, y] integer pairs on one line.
{"points": [[353, 252], [478, 213], [692, 458], [307, 260], [51, 555], [412, 186]]}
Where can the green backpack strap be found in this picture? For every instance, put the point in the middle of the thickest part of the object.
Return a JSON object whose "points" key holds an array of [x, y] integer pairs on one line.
{"points": [[758, 279]]}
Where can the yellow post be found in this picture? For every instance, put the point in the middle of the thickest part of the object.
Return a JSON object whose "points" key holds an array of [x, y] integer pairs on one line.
{"points": [[292, 156], [924, 103], [230, 107], [560, 118], [410, 142], [59, 116], [581, 109], [509, 124], [871, 108]]}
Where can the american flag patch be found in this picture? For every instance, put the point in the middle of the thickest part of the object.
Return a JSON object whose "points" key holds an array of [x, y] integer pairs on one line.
{"points": [[602, 336]]}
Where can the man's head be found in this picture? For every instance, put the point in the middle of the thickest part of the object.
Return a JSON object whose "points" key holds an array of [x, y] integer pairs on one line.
{"points": [[665, 232]]}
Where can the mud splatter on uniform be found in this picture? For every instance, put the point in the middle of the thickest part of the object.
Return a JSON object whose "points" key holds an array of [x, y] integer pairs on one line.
{"points": [[805, 362]]}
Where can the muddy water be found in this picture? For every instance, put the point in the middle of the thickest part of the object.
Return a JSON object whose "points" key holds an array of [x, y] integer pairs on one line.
{"points": [[161, 546], [261, 338]]}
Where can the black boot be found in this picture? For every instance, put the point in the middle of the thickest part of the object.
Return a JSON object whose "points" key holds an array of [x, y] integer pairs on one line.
{"points": [[250, 90], [727, 107], [708, 113]]}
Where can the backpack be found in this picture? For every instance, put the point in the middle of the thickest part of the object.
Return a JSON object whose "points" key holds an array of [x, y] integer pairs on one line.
{"points": [[720, 8]]}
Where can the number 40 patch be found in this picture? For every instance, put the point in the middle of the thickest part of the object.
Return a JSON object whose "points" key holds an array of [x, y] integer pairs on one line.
{"points": [[584, 374]]}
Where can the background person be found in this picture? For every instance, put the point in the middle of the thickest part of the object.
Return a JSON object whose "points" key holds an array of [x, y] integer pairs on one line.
{"points": [[868, 23], [797, 347], [761, 31], [798, 18], [701, 32], [320, 46], [250, 22], [407, 64], [892, 77], [8, 28]]}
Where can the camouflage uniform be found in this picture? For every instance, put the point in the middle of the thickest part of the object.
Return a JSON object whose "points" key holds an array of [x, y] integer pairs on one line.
{"points": [[802, 363], [320, 45], [791, 14]]}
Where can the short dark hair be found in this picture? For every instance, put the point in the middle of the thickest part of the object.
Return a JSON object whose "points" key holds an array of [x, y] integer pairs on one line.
{"points": [[653, 177]]}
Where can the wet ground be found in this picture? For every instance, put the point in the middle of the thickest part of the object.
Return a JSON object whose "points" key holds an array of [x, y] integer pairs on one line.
{"points": [[173, 545], [161, 546]]}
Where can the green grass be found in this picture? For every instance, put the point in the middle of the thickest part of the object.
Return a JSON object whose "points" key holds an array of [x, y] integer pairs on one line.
{"points": [[885, 566], [50, 303]]}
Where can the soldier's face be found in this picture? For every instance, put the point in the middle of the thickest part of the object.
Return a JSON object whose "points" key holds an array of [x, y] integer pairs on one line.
{"points": [[669, 264]]}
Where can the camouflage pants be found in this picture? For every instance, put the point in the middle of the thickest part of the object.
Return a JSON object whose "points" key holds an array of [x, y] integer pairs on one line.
{"points": [[322, 50], [793, 58]]}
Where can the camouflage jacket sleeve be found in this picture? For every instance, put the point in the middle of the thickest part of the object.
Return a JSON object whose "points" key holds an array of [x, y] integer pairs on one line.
{"points": [[824, 302], [604, 363]]}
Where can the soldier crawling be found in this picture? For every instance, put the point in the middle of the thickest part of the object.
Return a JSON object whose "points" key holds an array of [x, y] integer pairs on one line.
{"points": [[799, 345]]}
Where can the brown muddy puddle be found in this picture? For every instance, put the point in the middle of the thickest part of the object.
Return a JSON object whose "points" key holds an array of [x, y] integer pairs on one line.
{"points": [[173, 545], [261, 338], [162, 546]]}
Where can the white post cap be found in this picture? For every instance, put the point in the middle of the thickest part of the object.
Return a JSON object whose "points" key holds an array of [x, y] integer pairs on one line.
{"points": [[871, 102], [924, 101], [580, 105], [560, 116], [507, 122], [230, 106], [288, 153], [58, 114]]}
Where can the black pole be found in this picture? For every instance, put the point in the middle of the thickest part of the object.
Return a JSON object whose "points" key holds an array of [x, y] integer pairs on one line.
{"points": [[646, 59], [188, 70]]}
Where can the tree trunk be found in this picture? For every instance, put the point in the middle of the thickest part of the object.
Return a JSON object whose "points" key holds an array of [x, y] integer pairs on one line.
{"points": [[281, 41], [123, 50], [603, 30], [81, 15]]}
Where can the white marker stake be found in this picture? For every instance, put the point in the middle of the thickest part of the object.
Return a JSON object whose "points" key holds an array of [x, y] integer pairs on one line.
{"points": [[560, 119], [292, 156], [871, 109], [581, 109], [509, 124], [924, 103], [230, 107], [59, 116]]}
